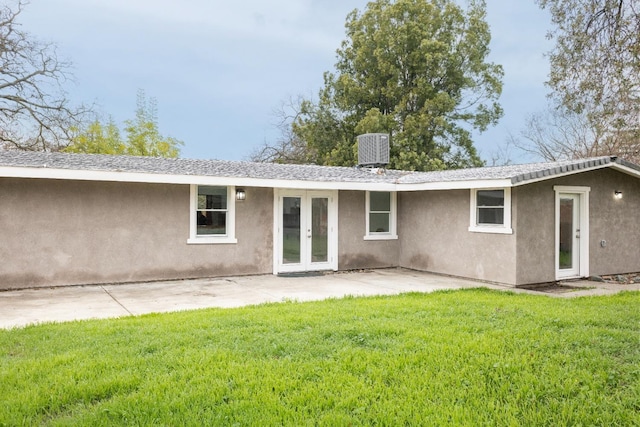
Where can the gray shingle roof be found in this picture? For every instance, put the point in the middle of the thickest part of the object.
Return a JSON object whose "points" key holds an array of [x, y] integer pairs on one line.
{"points": [[514, 173], [192, 167], [270, 171]]}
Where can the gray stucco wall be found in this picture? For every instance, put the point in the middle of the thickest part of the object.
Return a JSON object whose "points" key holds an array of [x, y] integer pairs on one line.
{"points": [[353, 251], [535, 228], [57, 232], [616, 221], [435, 236]]}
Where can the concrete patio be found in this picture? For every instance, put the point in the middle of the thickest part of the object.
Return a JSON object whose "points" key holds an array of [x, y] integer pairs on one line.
{"points": [[23, 307]]}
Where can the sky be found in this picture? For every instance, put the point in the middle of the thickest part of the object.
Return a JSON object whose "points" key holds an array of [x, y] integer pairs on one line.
{"points": [[219, 69]]}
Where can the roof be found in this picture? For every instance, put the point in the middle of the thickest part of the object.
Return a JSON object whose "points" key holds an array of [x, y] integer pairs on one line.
{"points": [[523, 173], [101, 167]]}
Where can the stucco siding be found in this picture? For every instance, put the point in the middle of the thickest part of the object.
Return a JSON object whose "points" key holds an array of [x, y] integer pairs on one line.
{"points": [[434, 228], [58, 232], [615, 221], [353, 251], [535, 230]]}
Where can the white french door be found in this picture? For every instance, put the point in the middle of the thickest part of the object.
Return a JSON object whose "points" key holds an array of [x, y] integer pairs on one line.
{"points": [[572, 232], [305, 230]]}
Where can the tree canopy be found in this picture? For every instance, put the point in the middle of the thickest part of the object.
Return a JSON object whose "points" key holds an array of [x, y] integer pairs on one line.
{"points": [[595, 71], [416, 69], [143, 137], [35, 113]]}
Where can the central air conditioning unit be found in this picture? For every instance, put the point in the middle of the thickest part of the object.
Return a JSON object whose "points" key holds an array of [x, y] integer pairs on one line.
{"points": [[373, 149]]}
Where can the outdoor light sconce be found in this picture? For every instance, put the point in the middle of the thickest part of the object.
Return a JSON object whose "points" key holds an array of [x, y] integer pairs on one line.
{"points": [[617, 194], [240, 194]]}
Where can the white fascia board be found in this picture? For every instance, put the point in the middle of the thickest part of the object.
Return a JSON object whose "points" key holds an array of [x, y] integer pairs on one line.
{"points": [[457, 185], [625, 169], [114, 176], [90, 175], [309, 185]]}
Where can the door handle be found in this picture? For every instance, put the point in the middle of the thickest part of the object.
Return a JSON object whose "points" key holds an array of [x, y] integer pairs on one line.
{"points": [[309, 233], [578, 233]]}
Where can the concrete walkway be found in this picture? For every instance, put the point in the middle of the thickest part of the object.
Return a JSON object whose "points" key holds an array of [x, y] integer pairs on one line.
{"points": [[23, 307]]}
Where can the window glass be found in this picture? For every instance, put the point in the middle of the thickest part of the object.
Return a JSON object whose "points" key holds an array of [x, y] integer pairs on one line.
{"points": [[378, 222], [319, 229], [490, 216], [490, 207], [291, 243], [379, 212], [490, 198], [212, 197], [380, 201], [211, 215], [566, 233]]}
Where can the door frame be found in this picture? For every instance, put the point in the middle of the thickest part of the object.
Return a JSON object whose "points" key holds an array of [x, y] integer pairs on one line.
{"points": [[305, 214], [582, 194]]}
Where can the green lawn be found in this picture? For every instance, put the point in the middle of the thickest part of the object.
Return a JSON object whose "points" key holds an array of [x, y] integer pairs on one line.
{"points": [[470, 357]]}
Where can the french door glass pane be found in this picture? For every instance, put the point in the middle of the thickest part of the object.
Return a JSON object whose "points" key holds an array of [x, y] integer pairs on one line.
{"points": [[319, 225], [291, 230], [566, 234]]}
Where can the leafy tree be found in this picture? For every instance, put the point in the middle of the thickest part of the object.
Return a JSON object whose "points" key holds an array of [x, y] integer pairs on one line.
{"points": [[98, 138], [595, 69], [34, 110], [416, 69], [143, 137]]}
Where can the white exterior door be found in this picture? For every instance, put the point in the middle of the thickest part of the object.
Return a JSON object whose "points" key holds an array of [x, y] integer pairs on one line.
{"points": [[572, 232], [305, 230]]}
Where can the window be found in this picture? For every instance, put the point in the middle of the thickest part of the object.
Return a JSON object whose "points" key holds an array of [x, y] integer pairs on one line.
{"points": [[380, 215], [491, 210], [212, 214]]}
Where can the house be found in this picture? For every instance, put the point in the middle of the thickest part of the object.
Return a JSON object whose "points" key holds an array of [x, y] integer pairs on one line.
{"points": [[81, 219]]}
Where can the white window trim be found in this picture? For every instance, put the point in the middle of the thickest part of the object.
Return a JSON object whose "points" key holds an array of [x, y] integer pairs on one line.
{"points": [[230, 237], [504, 228], [392, 234]]}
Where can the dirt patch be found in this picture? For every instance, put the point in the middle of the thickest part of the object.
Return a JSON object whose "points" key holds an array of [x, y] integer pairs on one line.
{"points": [[552, 288]]}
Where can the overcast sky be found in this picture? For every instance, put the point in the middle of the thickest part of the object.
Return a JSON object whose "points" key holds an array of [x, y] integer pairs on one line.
{"points": [[218, 69]]}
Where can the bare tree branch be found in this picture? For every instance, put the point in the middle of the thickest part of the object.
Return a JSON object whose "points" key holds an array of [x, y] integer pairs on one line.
{"points": [[35, 113], [595, 64], [560, 134], [288, 148]]}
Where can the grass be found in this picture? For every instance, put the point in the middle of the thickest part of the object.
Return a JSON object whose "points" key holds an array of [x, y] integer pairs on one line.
{"points": [[469, 357]]}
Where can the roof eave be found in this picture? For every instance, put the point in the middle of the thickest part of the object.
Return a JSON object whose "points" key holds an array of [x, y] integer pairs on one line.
{"points": [[626, 167], [457, 185], [153, 178]]}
